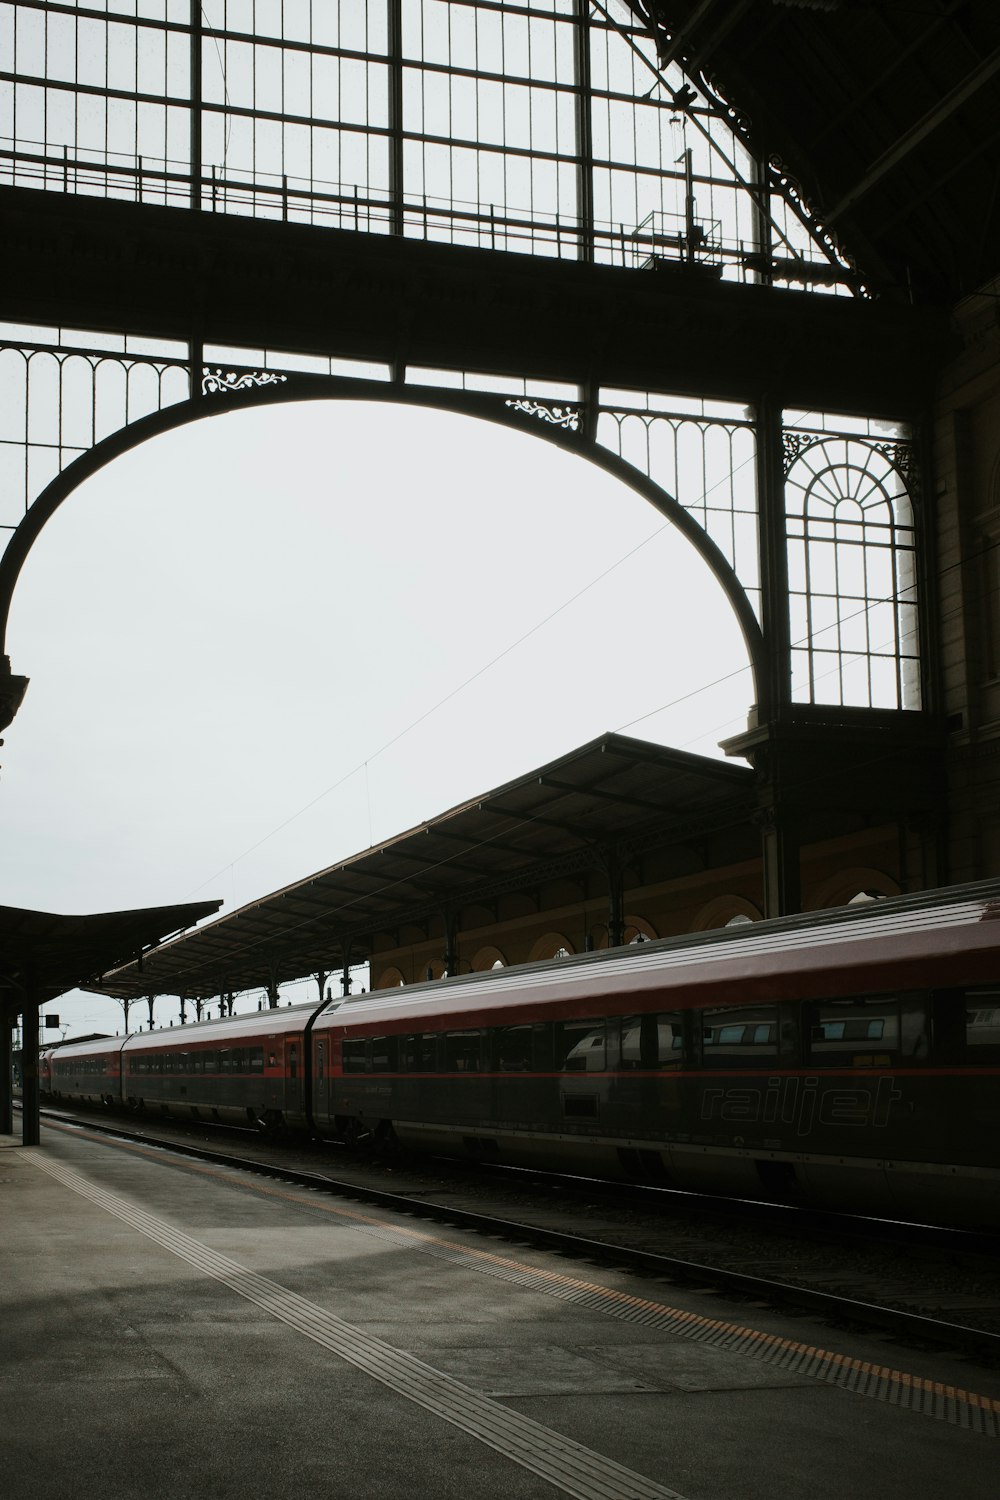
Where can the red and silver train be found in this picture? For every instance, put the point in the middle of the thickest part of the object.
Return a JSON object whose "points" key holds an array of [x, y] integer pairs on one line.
{"points": [[850, 1058]]}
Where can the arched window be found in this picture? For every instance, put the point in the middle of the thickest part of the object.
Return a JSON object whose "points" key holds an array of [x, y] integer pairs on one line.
{"points": [[552, 945], [638, 930], [854, 887], [488, 958], [389, 979], [851, 565], [726, 911]]}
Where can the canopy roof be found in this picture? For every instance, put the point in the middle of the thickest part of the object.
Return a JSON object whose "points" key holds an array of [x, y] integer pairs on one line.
{"points": [[887, 112], [43, 954], [615, 792]]}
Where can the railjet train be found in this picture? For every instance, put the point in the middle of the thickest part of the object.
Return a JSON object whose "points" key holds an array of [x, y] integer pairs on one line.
{"points": [[850, 1058]]}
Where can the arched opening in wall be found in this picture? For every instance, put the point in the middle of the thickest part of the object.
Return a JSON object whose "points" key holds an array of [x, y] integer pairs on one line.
{"points": [[857, 887], [488, 958], [726, 911], [552, 945], [390, 979], [278, 636], [638, 930]]}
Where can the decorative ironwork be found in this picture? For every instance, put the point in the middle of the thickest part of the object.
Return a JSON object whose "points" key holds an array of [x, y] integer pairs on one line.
{"points": [[214, 381], [788, 187], [567, 417], [902, 456], [795, 444]]}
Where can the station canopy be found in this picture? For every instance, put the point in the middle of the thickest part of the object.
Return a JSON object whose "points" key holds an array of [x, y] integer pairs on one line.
{"points": [[44, 954], [615, 794]]}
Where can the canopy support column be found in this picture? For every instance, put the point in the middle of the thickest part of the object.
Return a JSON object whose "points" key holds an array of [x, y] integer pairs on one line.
{"points": [[6, 1082], [31, 1125]]}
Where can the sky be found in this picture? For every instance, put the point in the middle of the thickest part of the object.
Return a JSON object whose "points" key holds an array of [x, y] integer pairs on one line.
{"points": [[262, 643]]}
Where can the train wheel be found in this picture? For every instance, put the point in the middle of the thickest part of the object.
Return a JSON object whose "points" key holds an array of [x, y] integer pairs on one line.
{"points": [[269, 1122], [386, 1141], [353, 1132]]}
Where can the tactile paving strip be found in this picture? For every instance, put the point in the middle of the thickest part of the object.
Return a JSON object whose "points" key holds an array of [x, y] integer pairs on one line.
{"points": [[567, 1466], [929, 1398]]}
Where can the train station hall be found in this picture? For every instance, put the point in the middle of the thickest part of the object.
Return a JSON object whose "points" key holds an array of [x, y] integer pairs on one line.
{"points": [[622, 1121]]}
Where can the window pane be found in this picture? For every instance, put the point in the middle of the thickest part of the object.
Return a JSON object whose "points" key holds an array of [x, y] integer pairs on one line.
{"points": [[419, 1053], [354, 1056], [982, 1026], [384, 1053], [580, 1046], [514, 1049], [869, 1032], [739, 1037], [462, 1051], [651, 1041]]}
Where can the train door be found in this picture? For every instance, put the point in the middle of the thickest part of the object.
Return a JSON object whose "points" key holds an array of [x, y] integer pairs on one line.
{"points": [[294, 1068], [321, 1080]]}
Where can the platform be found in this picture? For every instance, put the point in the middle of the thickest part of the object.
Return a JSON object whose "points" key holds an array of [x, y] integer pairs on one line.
{"points": [[177, 1329]]}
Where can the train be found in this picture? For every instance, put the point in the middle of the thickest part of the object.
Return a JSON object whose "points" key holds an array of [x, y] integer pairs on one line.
{"points": [[847, 1059]]}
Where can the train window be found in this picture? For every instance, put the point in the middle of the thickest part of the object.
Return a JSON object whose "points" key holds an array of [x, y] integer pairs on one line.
{"points": [[384, 1051], [514, 1049], [418, 1052], [650, 1041], [210, 1062], [256, 1059], [580, 1047], [355, 1055], [867, 1031], [982, 1025], [320, 1062], [743, 1037], [293, 1061], [462, 1050]]}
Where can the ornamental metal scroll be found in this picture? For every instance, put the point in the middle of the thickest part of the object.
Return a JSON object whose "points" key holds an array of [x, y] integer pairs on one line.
{"points": [[214, 382], [569, 418]]}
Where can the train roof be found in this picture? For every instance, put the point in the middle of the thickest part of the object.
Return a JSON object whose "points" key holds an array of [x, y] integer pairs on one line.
{"points": [[254, 1023], [904, 943], [84, 1046], [909, 942]]}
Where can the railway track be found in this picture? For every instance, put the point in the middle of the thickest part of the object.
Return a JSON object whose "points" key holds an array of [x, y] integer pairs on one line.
{"points": [[919, 1284]]}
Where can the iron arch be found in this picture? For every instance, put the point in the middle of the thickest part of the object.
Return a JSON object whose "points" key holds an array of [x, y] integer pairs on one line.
{"points": [[322, 388]]}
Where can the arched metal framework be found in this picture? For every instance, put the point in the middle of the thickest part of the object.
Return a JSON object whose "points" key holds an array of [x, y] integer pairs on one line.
{"points": [[546, 128], [560, 425]]}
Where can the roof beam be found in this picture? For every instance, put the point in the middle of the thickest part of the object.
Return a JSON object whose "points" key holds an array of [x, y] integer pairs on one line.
{"points": [[492, 843], [593, 791], [536, 819], [911, 138]]}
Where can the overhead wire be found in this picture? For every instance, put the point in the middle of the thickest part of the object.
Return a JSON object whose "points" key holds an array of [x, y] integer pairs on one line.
{"points": [[799, 785]]}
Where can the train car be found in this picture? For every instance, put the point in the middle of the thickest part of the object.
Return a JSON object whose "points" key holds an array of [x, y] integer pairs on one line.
{"points": [[82, 1072], [848, 1058], [851, 1059], [236, 1070]]}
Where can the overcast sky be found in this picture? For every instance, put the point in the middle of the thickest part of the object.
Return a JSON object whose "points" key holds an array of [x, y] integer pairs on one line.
{"points": [[250, 646]]}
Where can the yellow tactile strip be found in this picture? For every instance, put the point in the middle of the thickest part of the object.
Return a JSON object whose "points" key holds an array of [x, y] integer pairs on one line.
{"points": [[883, 1383], [929, 1398], [567, 1466]]}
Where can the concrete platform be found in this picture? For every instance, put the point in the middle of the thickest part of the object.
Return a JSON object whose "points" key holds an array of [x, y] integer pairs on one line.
{"points": [[173, 1329]]}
